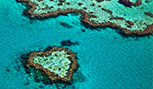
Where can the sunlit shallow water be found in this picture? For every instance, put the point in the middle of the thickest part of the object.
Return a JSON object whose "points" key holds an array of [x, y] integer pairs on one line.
{"points": [[107, 59]]}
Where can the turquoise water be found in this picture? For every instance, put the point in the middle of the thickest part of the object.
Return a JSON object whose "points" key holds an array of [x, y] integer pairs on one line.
{"points": [[107, 59]]}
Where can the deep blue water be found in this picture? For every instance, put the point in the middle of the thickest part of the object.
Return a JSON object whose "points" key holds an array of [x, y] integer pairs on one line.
{"points": [[107, 59]]}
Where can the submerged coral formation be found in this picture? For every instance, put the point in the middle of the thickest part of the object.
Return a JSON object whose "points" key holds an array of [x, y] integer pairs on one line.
{"points": [[130, 3], [58, 63], [128, 15]]}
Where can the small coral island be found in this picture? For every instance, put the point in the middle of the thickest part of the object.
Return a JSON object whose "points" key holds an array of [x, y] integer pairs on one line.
{"points": [[58, 63], [132, 16]]}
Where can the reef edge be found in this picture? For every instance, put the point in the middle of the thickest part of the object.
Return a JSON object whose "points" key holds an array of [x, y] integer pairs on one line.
{"points": [[51, 75], [85, 18]]}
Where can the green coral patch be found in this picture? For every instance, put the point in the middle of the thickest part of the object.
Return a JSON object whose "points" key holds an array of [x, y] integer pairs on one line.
{"points": [[57, 62]]}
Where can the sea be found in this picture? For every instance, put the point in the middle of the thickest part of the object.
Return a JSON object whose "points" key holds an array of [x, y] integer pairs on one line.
{"points": [[107, 58]]}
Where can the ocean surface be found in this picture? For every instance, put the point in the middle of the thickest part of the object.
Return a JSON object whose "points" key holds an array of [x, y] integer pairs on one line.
{"points": [[107, 59]]}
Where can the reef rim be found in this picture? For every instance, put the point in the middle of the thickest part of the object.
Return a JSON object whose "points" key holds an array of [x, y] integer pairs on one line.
{"points": [[51, 75], [85, 18]]}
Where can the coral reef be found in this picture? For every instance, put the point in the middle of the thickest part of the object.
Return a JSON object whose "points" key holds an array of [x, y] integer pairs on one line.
{"points": [[57, 63], [128, 3], [135, 19], [68, 43]]}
